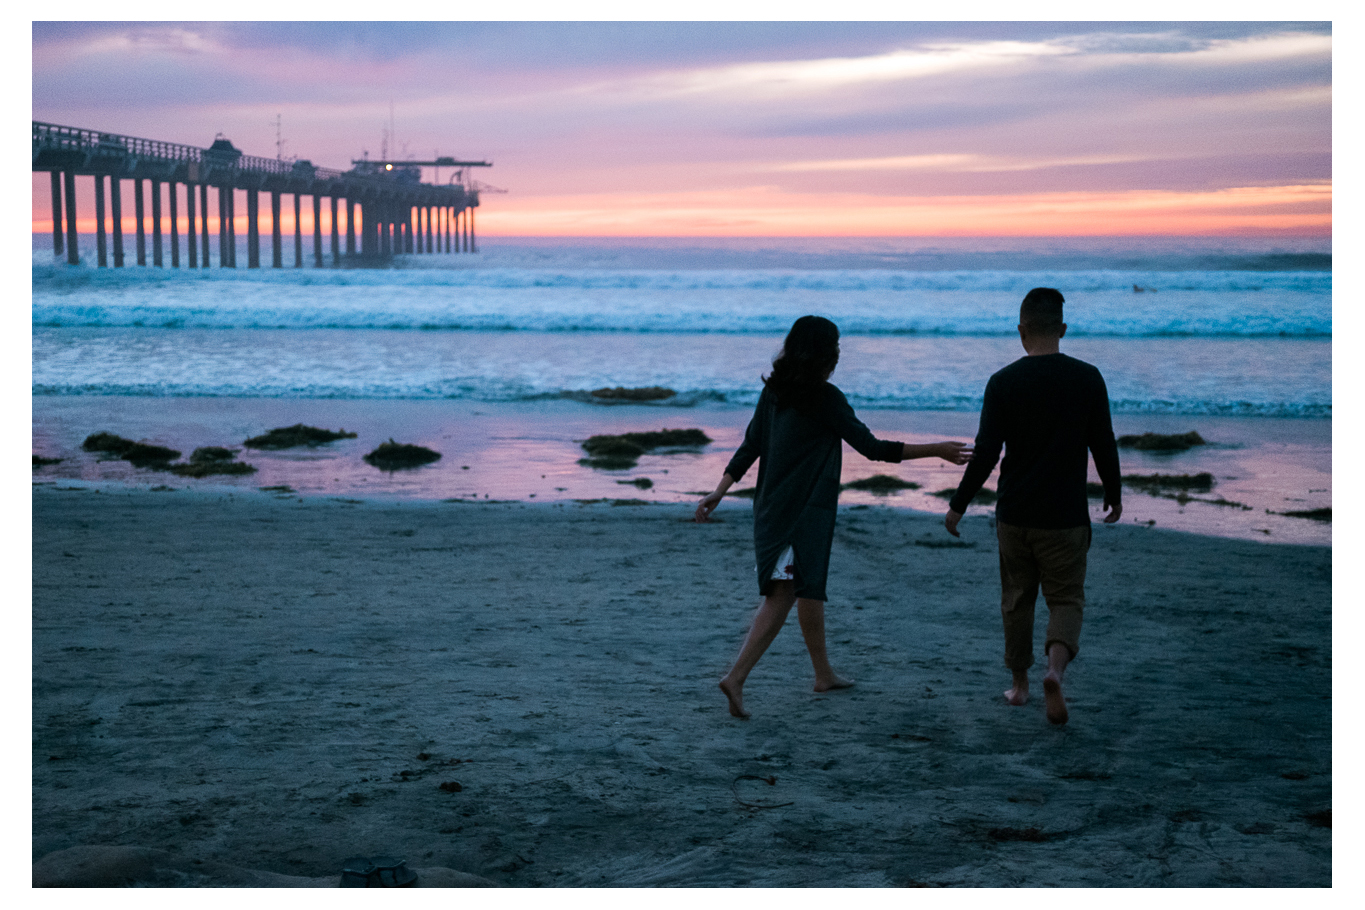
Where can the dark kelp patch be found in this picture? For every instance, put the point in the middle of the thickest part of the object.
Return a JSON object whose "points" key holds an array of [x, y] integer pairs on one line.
{"points": [[647, 393], [39, 461], [208, 460], [107, 442], [1157, 483], [880, 484], [1182, 497], [1313, 514], [644, 483], [393, 456], [610, 462], [142, 455], [614, 452], [297, 435], [1161, 442], [984, 497]]}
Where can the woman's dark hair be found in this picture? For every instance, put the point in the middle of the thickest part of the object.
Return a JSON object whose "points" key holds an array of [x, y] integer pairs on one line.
{"points": [[808, 355]]}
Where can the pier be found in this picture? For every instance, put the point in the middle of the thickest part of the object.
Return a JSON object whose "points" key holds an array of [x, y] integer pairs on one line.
{"points": [[387, 209]]}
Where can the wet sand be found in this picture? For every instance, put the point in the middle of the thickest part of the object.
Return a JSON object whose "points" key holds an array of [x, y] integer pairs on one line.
{"points": [[530, 451], [276, 683]]}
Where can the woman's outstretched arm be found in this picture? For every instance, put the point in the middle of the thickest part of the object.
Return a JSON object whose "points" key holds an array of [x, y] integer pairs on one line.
{"points": [[951, 452], [708, 505]]}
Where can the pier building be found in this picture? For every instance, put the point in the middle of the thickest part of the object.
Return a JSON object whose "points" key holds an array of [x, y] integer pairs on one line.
{"points": [[387, 209]]}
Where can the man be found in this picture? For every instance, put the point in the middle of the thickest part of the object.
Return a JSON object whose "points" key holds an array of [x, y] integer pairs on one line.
{"points": [[1047, 410]]}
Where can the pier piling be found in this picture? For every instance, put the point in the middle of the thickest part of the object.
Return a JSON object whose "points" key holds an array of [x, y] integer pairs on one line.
{"points": [[276, 244], [100, 255], [204, 226], [73, 255], [156, 223], [191, 231], [175, 227], [56, 213], [116, 210], [336, 236], [317, 230]]}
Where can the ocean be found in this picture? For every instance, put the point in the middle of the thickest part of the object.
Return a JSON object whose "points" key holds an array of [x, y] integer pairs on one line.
{"points": [[1188, 333]]}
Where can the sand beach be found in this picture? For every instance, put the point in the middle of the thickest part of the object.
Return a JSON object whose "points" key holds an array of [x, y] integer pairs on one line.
{"points": [[524, 694]]}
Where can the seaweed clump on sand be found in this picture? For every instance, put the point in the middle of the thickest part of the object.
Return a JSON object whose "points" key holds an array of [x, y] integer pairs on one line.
{"points": [[139, 454], [1313, 514], [880, 484], [620, 393], [620, 451], [209, 460], [297, 435], [1158, 483], [107, 442], [39, 461], [984, 497], [1162, 442], [142, 455], [393, 456]]}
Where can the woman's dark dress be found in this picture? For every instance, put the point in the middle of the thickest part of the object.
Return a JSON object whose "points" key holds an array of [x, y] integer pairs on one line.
{"points": [[800, 458]]}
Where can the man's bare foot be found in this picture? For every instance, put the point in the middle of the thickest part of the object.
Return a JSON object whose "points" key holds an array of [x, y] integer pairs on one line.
{"points": [[834, 682], [1017, 696], [1056, 704], [735, 696]]}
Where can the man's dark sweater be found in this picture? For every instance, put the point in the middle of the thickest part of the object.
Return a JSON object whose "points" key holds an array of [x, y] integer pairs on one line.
{"points": [[1046, 411]]}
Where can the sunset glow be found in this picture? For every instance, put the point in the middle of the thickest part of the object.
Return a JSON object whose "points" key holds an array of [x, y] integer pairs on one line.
{"points": [[749, 129]]}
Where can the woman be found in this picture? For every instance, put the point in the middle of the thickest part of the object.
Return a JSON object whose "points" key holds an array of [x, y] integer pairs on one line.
{"points": [[796, 435]]}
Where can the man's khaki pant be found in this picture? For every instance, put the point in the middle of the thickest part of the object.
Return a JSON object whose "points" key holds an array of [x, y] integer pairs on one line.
{"points": [[1031, 558]]}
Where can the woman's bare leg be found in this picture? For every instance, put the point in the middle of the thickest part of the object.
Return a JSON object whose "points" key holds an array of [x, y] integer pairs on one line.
{"points": [[811, 614], [772, 613]]}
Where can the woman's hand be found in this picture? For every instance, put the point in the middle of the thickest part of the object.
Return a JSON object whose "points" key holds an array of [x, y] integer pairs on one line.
{"points": [[708, 505], [954, 452]]}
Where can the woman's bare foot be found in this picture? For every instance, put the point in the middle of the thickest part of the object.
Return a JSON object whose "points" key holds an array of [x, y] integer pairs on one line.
{"points": [[1017, 696], [1056, 703], [833, 682], [734, 694]]}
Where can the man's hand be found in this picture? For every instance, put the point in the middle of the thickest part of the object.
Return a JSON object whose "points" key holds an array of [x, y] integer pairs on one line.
{"points": [[950, 522], [707, 506], [1114, 509]]}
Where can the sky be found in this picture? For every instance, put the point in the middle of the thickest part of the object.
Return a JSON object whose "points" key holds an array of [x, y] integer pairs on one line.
{"points": [[733, 129]]}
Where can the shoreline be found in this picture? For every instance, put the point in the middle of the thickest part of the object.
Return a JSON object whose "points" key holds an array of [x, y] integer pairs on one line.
{"points": [[283, 714], [530, 451]]}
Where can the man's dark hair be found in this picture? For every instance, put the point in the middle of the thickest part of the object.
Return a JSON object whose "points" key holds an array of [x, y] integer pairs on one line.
{"points": [[1041, 310]]}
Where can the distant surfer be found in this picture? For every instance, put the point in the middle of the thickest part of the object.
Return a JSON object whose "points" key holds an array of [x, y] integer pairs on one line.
{"points": [[797, 435], [1047, 410]]}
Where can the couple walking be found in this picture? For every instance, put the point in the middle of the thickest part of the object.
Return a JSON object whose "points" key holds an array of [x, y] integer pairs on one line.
{"points": [[1046, 409]]}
